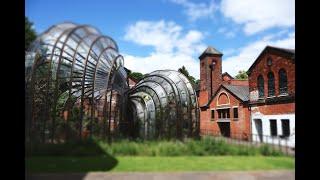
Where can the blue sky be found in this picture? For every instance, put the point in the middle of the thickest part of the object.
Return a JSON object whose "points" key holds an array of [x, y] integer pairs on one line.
{"points": [[166, 34]]}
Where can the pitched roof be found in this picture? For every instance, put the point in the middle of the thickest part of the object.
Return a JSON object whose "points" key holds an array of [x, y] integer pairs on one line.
{"points": [[210, 51], [284, 49], [241, 92], [290, 53], [227, 74]]}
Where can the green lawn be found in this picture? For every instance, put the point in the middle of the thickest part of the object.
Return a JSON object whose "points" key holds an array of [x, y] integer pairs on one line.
{"points": [[140, 163]]}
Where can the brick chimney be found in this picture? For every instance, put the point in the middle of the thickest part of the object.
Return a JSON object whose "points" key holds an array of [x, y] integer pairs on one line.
{"points": [[210, 74]]}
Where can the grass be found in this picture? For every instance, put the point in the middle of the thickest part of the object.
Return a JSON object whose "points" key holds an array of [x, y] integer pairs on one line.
{"points": [[49, 164], [206, 154], [205, 147]]}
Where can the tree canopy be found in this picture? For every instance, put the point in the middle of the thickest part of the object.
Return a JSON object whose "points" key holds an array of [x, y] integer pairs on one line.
{"points": [[242, 74], [136, 75], [30, 33], [192, 79]]}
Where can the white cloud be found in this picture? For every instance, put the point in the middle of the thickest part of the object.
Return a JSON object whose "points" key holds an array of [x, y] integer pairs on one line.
{"points": [[259, 15], [229, 51], [248, 54], [230, 34], [222, 30], [197, 10], [226, 33], [172, 47]]}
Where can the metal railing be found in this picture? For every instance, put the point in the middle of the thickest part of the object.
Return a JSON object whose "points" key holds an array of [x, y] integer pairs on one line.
{"points": [[285, 145]]}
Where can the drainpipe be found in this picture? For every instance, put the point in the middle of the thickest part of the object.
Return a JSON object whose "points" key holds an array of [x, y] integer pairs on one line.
{"points": [[250, 124]]}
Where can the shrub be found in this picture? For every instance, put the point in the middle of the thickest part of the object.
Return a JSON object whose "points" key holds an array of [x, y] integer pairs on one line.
{"points": [[266, 150], [203, 147]]}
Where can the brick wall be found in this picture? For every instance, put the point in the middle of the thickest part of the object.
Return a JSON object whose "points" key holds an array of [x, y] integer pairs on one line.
{"points": [[237, 126], [274, 109], [205, 77], [278, 62]]}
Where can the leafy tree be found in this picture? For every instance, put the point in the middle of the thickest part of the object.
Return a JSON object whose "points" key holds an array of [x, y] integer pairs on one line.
{"points": [[242, 75], [136, 75], [184, 71], [30, 33]]}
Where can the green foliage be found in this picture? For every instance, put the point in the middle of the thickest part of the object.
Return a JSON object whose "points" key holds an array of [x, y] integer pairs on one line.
{"points": [[242, 75], [30, 33], [268, 151], [136, 75], [185, 72], [206, 146], [64, 164]]}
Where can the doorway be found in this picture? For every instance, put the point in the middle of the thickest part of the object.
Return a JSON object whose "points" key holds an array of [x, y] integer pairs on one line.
{"points": [[224, 128], [258, 125]]}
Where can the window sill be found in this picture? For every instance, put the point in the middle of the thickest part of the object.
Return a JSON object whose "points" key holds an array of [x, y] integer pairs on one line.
{"points": [[236, 119], [284, 137], [269, 97], [224, 120], [284, 94]]}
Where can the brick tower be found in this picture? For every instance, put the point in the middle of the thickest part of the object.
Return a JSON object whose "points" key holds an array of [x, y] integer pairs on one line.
{"points": [[210, 74]]}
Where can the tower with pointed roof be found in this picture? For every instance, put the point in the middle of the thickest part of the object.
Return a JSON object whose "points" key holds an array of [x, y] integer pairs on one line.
{"points": [[210, 73]]}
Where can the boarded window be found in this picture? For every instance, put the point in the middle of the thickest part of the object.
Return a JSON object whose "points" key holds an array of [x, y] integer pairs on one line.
{"points": [[212, 115], [283, 82], [223, 113], [285, 128], [273, 127], [235, 112], [271, 89], [260, 86]]}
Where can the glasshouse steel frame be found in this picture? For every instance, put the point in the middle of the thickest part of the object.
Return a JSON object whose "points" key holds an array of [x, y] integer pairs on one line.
{"points": [[76, 81]]}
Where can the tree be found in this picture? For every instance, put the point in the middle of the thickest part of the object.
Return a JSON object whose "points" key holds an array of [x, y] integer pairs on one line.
{"points": [[136, 75], [30, 33], [184, 71], [242, 74]]}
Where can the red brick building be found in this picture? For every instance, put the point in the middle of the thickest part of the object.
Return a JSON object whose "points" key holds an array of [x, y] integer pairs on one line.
{"points": [[223, 100], [272, 95], [262, 105]]}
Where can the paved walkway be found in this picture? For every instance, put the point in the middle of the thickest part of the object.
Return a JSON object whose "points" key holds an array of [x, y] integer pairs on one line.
{"points": [[225, 175]]}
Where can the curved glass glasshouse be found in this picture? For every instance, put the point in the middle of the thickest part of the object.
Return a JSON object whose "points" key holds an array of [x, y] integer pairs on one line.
{"points": [[76, 86], [164, 104]]}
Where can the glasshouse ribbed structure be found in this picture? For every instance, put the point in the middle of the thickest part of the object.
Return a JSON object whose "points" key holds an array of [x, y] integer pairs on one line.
{"points": [[77, 86]]}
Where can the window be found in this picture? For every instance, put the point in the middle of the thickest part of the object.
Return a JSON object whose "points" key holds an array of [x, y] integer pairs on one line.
{"points": [[212, 115], [223, 113], [273, 127], [235, 112], [260, 86], [271, 91], [283, 82], [269, 61], [228, 113], [285, 128]]}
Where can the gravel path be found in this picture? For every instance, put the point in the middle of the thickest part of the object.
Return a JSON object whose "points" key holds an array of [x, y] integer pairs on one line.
{"points": [[221, 175]]}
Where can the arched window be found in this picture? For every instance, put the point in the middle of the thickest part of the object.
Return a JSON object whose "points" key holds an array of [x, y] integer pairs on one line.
{"points": [[260, 86], [271, 89], [283, 82]]}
